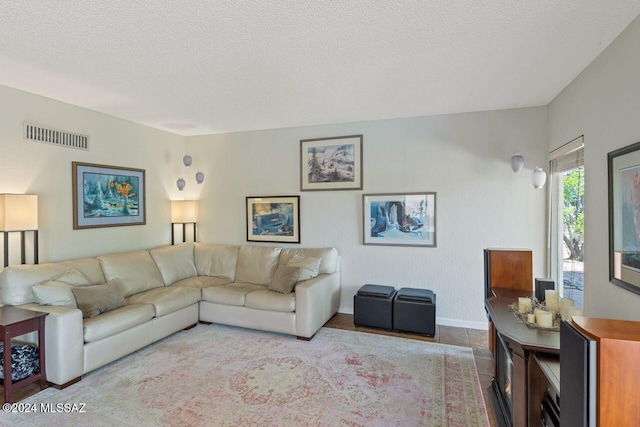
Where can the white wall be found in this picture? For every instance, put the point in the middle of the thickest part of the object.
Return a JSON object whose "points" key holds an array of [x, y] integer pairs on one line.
{"points": [[35, 168], [603, 104], [465, 158]]}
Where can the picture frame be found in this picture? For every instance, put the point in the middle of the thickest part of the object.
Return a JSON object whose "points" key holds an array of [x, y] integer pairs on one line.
{"points": [[107, 196], [273, 219], [624, 217], [400, 219], [331, 163]]}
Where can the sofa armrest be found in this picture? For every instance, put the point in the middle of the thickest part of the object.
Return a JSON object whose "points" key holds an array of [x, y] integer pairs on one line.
{"points": [[317, 301], [64, 342]]}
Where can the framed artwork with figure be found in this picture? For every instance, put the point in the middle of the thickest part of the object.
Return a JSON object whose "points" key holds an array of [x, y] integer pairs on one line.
{"points": [[624, 217], [403, 219]]}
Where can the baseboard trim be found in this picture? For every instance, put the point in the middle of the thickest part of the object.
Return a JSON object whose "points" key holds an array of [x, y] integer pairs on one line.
{"points": [[483, 326]]}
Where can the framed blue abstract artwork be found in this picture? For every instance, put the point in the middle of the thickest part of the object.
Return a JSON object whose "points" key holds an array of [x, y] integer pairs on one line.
{"points": [[107, 196], [273, 219]]}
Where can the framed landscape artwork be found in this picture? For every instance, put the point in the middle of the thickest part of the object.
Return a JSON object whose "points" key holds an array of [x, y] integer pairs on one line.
{"points": [[273, 219], [624, 217], [405, 219], [107, 196], [331, 163]]}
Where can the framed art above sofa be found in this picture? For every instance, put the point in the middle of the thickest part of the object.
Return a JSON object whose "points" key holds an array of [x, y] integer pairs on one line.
{"points": [[273, 219], [331, 163], [107, 196]]}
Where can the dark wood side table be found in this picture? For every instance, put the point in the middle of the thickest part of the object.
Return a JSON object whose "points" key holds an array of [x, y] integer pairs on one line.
{"points": [[13, 323]]}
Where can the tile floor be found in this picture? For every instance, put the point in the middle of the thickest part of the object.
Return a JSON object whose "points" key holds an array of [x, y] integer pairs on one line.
{"points": [[476, 339]]}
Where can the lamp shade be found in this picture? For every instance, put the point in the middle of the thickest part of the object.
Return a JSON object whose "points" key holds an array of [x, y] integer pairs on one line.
{"points": [[18, 212], [538, 177], [183, 211]]}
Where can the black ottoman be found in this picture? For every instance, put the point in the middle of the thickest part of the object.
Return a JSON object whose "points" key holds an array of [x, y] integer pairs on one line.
{"points": [[414, 310], [373, 306]]}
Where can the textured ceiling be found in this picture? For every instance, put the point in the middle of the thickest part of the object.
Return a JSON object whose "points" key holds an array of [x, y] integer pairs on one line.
{"points": [[196, 67]]}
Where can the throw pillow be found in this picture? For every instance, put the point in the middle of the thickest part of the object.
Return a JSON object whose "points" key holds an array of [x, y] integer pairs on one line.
{"points": [[308, 265], [54, 293], [96, 299], [57, 290], [284, 279]]}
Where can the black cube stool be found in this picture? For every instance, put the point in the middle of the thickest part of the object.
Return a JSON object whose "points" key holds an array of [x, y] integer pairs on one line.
{"points": [[414, 310], [373, 306]]}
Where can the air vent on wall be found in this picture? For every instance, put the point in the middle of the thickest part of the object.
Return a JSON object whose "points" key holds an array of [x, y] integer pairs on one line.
{"points": [[56, 137]]}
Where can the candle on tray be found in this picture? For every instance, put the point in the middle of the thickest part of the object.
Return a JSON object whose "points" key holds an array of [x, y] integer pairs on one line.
{"points": [[531, 318], [524, 305], [566, 308], [544, 319], [552, 300]]}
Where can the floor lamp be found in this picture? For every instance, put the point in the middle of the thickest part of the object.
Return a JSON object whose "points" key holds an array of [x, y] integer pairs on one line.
{"points": [[183, 212], [19, 213]]}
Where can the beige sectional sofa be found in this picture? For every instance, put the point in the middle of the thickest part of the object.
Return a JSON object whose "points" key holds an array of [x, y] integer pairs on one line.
{"points": [[103, 308]]}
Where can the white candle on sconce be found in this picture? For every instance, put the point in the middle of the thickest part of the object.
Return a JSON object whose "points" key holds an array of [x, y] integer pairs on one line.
{"points": [[524, 305], [531, 318], [544, 319], [552, 300]]}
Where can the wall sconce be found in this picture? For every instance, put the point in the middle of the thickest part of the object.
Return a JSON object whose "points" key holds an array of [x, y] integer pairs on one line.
{"points": [[517, 162], [183, 212], [19, 212], [181, 183], [538, 178]]}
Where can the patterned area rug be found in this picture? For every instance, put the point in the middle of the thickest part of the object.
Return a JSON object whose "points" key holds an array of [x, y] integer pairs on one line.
{"points": [[216, 375]]}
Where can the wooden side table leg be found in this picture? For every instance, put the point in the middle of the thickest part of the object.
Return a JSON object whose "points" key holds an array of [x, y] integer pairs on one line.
{"points": [[41, 353]]}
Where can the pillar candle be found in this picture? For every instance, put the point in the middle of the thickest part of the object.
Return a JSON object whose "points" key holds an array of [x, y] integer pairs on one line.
{"points": [[544, 319], [552, 300], [524, 305], [566, 308], [531, 318]]}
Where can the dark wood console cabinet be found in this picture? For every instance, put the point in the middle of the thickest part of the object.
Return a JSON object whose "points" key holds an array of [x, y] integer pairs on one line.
{"points": [[516, 346]]}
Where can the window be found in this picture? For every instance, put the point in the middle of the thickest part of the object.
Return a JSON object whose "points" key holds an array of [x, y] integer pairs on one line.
{"points": [[567, 220]]}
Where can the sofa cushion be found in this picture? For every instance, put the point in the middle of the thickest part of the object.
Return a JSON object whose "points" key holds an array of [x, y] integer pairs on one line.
{"points": [[16, 281], [308, 266], [284, 279], [216, 260], [167, 299], [271, 301], [136, 269], [256, 264], [175, 262], [231, 294], [329, 256], [115, 321], [202, 282], [96, 299]]}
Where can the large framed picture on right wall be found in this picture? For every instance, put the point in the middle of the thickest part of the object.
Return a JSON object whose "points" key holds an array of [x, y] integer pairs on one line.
{"points": [[400, 219]]}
